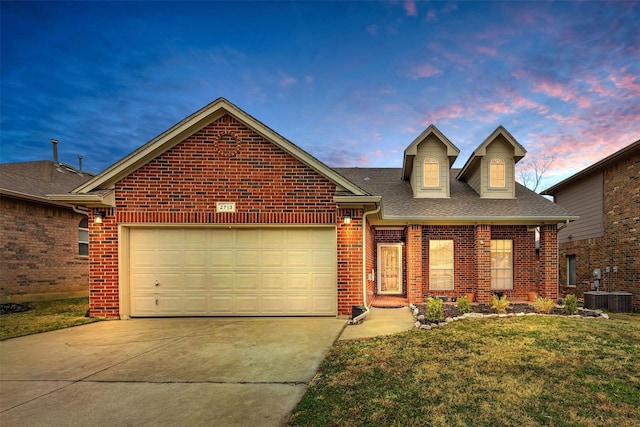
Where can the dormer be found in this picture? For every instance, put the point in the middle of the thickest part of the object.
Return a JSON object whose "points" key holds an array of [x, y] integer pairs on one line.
{"points": [[490, 170], [426, 164]]}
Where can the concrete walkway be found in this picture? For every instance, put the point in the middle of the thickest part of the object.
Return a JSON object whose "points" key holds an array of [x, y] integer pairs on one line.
{"points": [[380, 322], [163, 372]]}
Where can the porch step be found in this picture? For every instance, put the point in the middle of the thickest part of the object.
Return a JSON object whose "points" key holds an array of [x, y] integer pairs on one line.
{"points": [[389, 301]]}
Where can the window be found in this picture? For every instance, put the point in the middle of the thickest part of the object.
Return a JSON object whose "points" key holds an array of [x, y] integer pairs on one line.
{"points": [[571, 270], [83, 237], [496, 173], [441, 264], [501, 264], [431, 172]]}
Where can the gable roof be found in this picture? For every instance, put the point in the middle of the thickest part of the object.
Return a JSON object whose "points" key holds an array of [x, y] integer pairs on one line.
{"points": [[604, 163], [481, 151], [464, 206], [34, 180], [95, 191], [411, 151]]}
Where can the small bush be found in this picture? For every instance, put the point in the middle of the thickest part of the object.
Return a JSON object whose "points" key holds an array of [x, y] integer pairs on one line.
{"points": [[434, 309], [570, 304], [464, 306], [544, 305], [499, 305]]}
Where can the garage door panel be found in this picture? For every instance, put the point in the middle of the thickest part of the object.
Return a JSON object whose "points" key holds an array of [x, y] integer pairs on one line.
{"points": [[196, 281], [242, 271], [247, 259], [221, 282], [273, 281], [298, 281], [222, 258], [247, 281], [273, 259]]}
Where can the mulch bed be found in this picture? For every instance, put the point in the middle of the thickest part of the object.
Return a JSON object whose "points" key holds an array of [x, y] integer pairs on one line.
{"points": [[12, 307], [451, 310]]}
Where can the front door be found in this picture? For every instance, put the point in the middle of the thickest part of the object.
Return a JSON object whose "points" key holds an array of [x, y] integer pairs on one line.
{"points": [[390, 269]]}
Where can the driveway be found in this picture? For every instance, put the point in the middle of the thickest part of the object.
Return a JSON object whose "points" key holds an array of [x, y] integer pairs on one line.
{"points": [[179, 371]]}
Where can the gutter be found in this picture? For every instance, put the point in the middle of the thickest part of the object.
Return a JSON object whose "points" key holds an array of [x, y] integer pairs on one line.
{"points": [[364, 265]]}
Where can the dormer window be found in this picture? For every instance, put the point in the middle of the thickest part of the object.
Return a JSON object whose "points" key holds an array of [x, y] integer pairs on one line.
{"points": [[497, 173], [431, 172]]}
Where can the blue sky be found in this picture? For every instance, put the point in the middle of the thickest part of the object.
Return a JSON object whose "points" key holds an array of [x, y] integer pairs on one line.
{"points": [[352, 83]]}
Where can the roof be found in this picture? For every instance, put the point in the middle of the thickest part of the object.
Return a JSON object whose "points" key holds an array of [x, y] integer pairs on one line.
{"points": [[34, 180], [604, 163], [481, 150], [89, 192], [464, 205]]}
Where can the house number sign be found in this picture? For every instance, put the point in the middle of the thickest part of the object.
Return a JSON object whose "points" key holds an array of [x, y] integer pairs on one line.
{"points": [[225, 206]]}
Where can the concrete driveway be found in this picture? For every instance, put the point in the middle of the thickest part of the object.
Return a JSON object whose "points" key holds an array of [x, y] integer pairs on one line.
{"points": [[173, 372]]}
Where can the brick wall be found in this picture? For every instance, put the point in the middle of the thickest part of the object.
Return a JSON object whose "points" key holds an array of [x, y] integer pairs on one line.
{"points": [[39, 249], [620, 245], [526, 265], [225, 161], [349, 261], [464, 257], [415, 267]]}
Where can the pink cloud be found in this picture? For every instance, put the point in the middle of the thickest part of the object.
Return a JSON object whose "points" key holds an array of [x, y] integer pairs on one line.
{"points": [[410, 8], [431, 15], [490, 51], [424, 71], [554, 90], [308, 79], [287, 81], [627, 82]]}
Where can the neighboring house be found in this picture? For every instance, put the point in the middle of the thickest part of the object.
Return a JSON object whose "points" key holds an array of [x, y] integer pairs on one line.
{"points": [[606, 196], [44, 247], [220, 215]]}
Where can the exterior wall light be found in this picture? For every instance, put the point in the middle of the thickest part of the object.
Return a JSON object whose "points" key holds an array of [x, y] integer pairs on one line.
{"points": [[98, 217], [347, 218]]}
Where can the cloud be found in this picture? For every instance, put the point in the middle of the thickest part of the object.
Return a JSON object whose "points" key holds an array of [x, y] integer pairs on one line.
{"points": [[485, 50], [424, 71], [372, 29], [410, 8], [287, 81]]}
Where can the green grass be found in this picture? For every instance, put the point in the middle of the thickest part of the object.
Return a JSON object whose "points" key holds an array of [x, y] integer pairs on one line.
{"points": [[531, 371], [45, 316]]}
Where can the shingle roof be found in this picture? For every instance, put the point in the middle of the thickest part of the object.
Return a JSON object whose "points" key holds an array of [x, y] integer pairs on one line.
{"points": [[35, 180], [463, 205]]}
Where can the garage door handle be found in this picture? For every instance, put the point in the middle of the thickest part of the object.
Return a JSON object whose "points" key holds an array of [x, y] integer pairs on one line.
{"points": [[157, 283]]}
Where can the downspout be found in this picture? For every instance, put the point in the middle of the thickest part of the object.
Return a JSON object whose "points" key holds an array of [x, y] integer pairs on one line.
{"points": [[364, 264], [563, 225], [79, 210]]}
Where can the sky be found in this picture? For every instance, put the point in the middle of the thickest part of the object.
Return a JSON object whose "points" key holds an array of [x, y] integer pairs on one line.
{"points": [[352, 83]]}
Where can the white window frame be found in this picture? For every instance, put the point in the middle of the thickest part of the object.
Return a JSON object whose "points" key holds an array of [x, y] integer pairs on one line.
{"points": [[498, 162], [441, 278], [501, 265], [430, 161], [82, 243]]}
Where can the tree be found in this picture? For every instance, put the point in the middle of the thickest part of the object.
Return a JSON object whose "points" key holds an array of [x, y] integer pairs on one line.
{"points": [[531, 171]]}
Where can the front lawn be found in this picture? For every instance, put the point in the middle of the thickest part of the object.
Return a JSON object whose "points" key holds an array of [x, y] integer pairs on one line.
{"points": [[528, 371], [44, 316]]}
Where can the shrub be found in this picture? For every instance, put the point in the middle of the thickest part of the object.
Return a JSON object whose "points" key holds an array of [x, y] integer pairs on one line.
{"points": [[544, 305], [499, 305], [570, 304], [434, 309], [464, 306]]}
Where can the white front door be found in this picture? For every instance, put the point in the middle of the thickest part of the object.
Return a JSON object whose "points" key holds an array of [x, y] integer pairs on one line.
{"points": [[390, 268]]}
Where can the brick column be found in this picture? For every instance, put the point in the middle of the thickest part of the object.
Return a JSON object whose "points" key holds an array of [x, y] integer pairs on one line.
{"points": [[483, 262], [414, 264], [549, 261], [349, 260]]}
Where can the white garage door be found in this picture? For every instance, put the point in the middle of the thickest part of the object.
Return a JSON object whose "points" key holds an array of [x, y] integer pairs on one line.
{"points": [[233, 272]]}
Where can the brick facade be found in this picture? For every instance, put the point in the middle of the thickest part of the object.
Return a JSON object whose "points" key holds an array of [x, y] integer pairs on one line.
{"points": [[620, 245], [225, 161], [39, 249]]}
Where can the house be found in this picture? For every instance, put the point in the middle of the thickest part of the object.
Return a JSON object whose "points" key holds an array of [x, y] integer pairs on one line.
{"points": [[44, 250], [220, 215], [605, 240]]}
